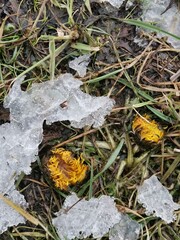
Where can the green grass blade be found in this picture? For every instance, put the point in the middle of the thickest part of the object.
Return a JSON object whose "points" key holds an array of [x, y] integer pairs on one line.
{"points": [[105, 76], [84, 47], [140, 92], [110, 161], [91, 182], [52, 58], [149, 26], [57, 51], [160, 114]]}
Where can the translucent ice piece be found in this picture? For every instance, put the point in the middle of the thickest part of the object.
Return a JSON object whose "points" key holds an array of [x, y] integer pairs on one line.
{"points": [[8, 216], [80, 218], [84, 218], [155, 11], [43, 102], [19, 139], [157, 200], [18, 149], [80, 64], [126, 229]]}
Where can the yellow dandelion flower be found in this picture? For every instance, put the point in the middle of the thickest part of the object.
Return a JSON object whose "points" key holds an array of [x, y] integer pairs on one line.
{"points": [[147, 130], [64, 170]]}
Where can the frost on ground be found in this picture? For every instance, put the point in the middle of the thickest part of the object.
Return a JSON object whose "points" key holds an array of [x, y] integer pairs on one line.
{"points": [[19, 139], [157, 200], [80, 64], [80, 218], [155, 11]]}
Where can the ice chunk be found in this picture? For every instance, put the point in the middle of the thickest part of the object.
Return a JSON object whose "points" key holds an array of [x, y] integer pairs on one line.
{"points": [[157, 200], [43, 102], [80, 218], [80, 64], [18, 149], [19, 139], [126, 229], [155, 11], [8, 216], [89, 110]]}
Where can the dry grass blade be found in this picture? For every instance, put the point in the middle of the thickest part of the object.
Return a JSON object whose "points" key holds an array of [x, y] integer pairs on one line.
{"points": [[24, 213], [76, 137], [20, 210]]}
